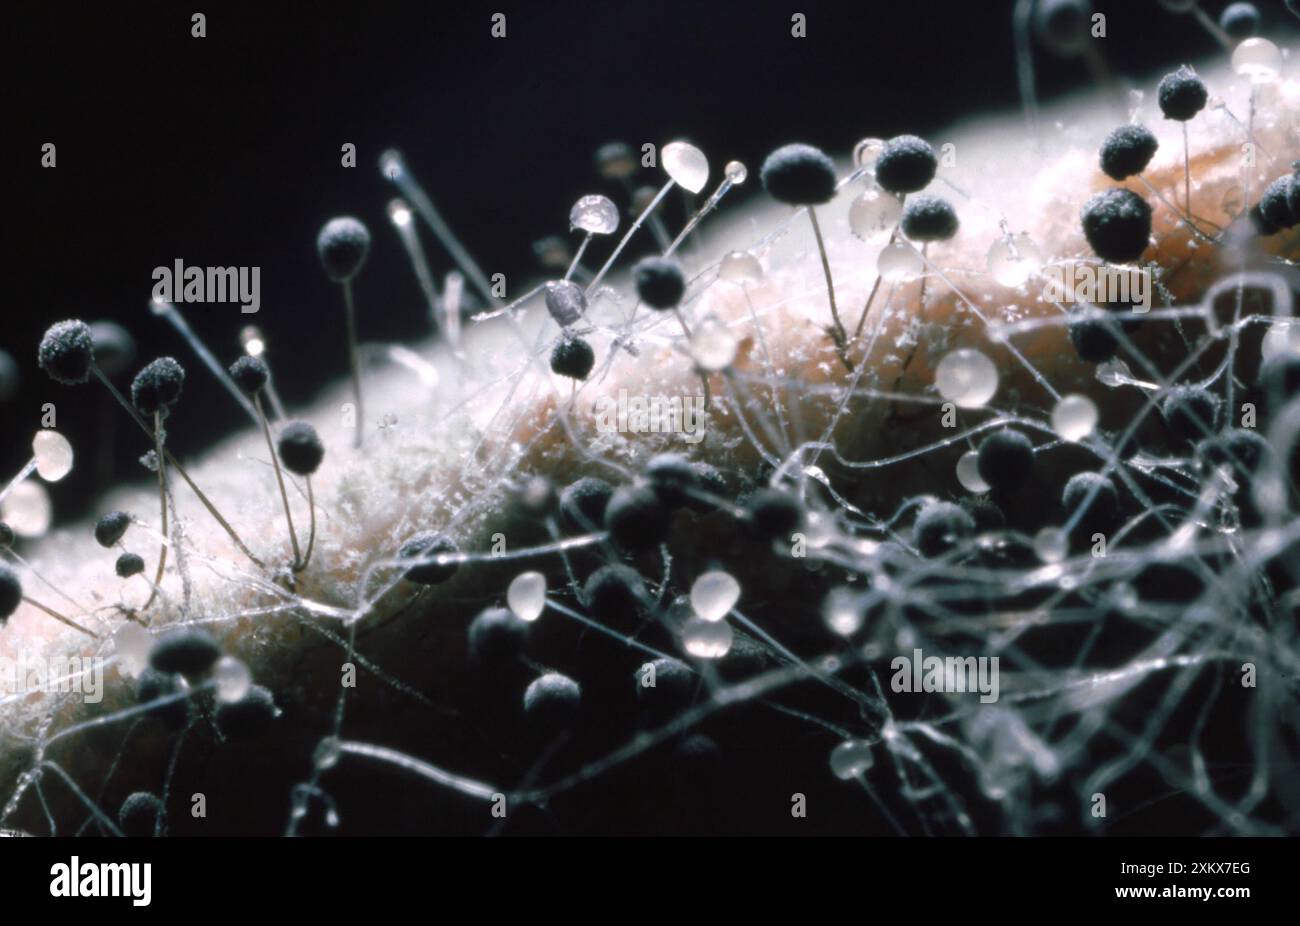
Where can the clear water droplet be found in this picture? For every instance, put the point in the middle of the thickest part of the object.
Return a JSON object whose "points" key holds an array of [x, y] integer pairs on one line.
{"points": [[1283, 338], [851, 759], [1258, 60], [1013, 261], [399, 213], [968, 473], [967, 378], [714, 594], [327, 753], [53, 454], [900, 262], [1126, 597], [233, 679], [713, 345], [595, 214], [131, 645], [740, 267], [1114, 373], [391, 165], [1051, 544], [707, 639], [874, 215], [566, 302], [1074, 417], [866, 151], [686, 164], [27, 509], [736, 172], [818, 529], [526, 595], [842, 611]]}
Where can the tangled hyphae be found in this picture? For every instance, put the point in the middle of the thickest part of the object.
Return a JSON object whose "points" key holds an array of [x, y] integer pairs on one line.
{"points": [[990, 526]]}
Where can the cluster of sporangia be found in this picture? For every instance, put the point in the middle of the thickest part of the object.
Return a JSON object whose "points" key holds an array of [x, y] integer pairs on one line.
{"points": [[637, 517]]}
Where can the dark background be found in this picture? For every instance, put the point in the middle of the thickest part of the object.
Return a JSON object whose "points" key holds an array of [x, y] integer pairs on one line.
{"points": [[226, 150]]}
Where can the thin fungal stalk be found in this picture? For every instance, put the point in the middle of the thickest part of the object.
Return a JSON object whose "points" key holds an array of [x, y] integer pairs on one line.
{"points": [[167, 456], [298, 562]]}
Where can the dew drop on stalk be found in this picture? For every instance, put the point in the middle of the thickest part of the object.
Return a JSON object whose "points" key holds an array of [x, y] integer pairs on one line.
{"points": [[866, 151], [53, 455], [1074, 417], [714, 594], [842, 611], [707, 639], [851, 759], [740, 267], [526, 595], [27, 509], [686, 164], [874, 215], [327, 753], [233, 679], [900, 262], [1013, 262], [1258, 60], [713, 345], [596, 215], [1051, 544], [968, 473], [967, 378], [131, 646], [1283, 338]]}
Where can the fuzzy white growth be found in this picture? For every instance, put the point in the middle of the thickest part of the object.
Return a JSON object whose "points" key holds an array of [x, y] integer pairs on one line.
{"points": [[976, 332]]}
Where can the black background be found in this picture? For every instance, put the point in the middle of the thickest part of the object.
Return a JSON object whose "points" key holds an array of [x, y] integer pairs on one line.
{"points": [[225, 150]]}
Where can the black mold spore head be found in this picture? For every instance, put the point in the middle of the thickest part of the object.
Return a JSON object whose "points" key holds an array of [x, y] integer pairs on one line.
{"points": [[906, 164], [799, 175], [1275, 204], [636, 518], [573, 357], [301, 450], [774, 514], [157, 387], [1240, 20], [1181, 94], [248, 718], [425, 545], [660, 282], [343, 245], [67, 352], [940, 527], [140, 814], [129, 564], [929, 218], [188, 651], [1127, 151], [110, 528], [1191, 412], [1117, 224], [11, 592], [250, 374], [582, 504]]}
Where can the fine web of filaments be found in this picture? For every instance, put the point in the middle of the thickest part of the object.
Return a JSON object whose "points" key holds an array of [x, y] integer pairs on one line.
{"points": [[1030, 717]]}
